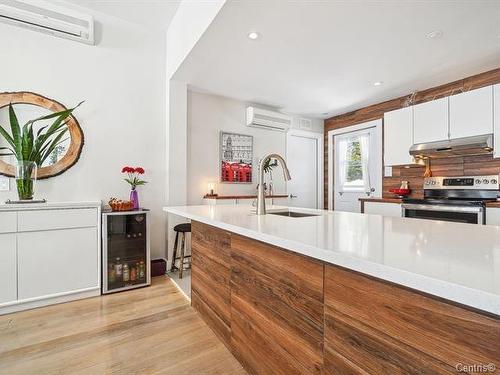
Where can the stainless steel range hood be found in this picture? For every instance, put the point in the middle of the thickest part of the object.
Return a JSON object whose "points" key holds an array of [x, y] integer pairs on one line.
{"points": [[477, 145]]}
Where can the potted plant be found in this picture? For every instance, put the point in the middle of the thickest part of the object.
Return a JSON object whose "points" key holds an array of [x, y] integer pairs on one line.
{"points": [[134, 181], [31, 148], [268, 168]]}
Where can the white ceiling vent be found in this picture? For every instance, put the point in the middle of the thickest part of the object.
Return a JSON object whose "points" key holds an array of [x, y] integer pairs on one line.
{"points": [[304, 124], [270, 120], [39, 15]]}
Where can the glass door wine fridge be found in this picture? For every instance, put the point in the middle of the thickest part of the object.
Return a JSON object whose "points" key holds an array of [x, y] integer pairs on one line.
{"points": [[125, 250]]}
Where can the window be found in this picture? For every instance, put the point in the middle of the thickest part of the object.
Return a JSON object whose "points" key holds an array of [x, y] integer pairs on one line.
{"points": [[353, 163], [353, 166]]}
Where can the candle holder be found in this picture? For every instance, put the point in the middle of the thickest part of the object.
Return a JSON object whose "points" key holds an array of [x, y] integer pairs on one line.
{"points": [[211, 190]]}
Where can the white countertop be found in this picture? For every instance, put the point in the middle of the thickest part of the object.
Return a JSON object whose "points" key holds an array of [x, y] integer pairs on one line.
{"points": [[48, 205], [455, 261]]}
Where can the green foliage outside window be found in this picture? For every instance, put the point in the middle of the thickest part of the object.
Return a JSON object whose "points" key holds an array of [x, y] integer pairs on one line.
{"points": [[354, 169]]}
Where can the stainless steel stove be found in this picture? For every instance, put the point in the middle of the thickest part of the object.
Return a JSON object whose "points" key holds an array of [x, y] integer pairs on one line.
{"points": [[460, 199]]}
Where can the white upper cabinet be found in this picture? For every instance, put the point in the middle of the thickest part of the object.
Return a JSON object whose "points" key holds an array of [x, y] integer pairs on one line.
{"points": [[398, 136], [430, 121], [471, 113], [496, 117]]}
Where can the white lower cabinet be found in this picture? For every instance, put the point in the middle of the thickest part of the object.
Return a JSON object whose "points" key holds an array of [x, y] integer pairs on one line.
{"points": [[58, 261], [492, 216], [8, 277], [383, 208], [49, 254]]}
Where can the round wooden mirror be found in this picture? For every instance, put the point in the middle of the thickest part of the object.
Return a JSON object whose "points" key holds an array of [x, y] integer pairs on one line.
{"points": [[29, 106]]}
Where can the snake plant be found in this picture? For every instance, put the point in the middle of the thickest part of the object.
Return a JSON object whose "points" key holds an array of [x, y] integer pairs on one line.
{"points": [[26, 145]]}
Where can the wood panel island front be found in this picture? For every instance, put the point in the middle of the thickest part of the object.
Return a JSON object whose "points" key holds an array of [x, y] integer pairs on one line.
{"points": [[280, 312]]}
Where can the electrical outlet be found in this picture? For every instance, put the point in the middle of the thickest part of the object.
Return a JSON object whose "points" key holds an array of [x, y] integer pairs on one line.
{"points": [[4, 183]]}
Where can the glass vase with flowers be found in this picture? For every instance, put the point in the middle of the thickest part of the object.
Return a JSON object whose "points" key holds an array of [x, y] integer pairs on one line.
{"points": [[134, 181]]}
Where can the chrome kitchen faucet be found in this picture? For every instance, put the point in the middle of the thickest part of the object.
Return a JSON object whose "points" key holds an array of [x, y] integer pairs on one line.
{"points": [[261, 199]]}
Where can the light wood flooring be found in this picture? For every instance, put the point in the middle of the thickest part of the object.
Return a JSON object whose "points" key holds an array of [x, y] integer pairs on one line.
{"points": [[151, 330]]}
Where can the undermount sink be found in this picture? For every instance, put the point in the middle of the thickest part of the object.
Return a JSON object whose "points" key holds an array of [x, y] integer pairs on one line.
{"points": [[291, 214]]}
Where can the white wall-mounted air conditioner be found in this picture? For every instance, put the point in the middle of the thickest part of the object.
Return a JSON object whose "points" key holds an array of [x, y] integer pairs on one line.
{"points": [[39, 15], [270, 120]]}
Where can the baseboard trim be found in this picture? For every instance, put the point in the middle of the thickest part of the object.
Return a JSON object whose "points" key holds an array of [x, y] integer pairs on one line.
{"points": [[53, 299]]}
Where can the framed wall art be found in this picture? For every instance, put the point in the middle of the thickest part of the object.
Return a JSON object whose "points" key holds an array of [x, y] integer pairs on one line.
{"points": [[236, 156]]}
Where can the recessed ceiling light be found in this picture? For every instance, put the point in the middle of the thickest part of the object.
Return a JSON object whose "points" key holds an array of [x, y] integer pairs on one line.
{"points": [[436, 34], [253, 35], [378, 83]]}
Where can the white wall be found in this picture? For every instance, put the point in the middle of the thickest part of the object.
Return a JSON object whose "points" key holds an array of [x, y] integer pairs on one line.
{"points": [[188, 25], [207, 116], [122, 80]]}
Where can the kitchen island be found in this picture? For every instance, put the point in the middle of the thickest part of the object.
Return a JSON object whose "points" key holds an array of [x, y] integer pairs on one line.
{"points": [[344, 292]]}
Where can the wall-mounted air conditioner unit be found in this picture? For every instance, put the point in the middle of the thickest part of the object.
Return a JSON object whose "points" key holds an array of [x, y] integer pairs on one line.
{"points": [[270, 120], [39, 15]]}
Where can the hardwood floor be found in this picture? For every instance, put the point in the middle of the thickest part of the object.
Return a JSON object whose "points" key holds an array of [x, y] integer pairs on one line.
{"points": [[151, 330]]}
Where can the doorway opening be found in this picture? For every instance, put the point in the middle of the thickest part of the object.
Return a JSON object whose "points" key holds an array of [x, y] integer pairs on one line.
{"points": [[354, 165]]}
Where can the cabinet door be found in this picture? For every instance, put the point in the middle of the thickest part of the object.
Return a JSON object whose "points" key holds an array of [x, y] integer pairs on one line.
{"points": [[8, 277], [398, 136], [471, 113], [430, 121], [57, 261], [496, 117], [8, 222], [382, 208], [493, 216]]}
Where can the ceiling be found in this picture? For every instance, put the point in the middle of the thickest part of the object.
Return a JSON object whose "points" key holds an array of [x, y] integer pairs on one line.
{"points": [[321, 58], [155, 14]]}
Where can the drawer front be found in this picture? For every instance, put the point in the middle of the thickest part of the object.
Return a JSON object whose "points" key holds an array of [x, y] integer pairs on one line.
{"points": [[354, 348], [8, 222], [52, 262], [448, 333], [57, 219]]}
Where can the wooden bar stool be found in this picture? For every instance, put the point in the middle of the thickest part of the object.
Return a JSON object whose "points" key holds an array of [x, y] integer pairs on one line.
{"points": [[183, 229]]}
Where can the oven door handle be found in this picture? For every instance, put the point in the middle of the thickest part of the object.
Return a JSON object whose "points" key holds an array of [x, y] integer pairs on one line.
{"points": [[436, 207]]}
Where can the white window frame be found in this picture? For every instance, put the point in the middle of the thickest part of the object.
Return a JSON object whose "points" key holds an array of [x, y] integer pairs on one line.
{"points": [[377, 124]]}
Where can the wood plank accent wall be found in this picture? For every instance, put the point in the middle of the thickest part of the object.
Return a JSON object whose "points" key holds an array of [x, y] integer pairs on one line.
{"points": [[283, 313], [376, 111]]}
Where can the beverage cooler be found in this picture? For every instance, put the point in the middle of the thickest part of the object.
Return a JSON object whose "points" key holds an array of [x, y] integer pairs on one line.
{"points": [[125, 250]]}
